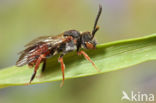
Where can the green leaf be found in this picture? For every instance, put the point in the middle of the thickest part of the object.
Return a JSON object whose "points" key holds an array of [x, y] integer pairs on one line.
{"points": [[107, 57]]}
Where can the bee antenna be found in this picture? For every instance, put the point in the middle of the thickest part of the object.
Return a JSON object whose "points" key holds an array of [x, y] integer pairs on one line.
{"points": [[96, 28]]}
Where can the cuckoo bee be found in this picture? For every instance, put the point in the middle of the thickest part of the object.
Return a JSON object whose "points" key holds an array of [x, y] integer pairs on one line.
{"points": [[41, 48]]}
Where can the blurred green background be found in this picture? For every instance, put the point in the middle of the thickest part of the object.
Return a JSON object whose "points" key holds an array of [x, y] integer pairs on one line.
{"points": [[23, 20]]}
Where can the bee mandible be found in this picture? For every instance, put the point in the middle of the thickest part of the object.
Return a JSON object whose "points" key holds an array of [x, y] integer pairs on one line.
{"points": [[41, 48]]}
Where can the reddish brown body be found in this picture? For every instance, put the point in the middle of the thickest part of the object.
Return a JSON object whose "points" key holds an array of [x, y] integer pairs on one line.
{"points": [[40, 49]]}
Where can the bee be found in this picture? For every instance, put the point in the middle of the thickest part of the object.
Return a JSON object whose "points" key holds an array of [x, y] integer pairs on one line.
{"points": [[38, 50]]}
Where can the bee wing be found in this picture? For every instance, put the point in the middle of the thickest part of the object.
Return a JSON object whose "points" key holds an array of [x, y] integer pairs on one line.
{"points": [[45, 39], [29, 54], [38, 40]]}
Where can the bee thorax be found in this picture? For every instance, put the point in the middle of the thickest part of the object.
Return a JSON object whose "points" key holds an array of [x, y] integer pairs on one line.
{"points": [[70, 46]]}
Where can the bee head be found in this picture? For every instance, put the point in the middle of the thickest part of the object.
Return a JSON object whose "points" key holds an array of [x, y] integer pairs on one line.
{"points": [[87, 40]]}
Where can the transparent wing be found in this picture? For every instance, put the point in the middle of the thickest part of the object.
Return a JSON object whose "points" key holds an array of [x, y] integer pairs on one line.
{"points": [[37, 47], [45, 39]]}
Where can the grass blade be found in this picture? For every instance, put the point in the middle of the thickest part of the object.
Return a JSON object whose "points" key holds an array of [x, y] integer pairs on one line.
{"points": [[107, 57]]}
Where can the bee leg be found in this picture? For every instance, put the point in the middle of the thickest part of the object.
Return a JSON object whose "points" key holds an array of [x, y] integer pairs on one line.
{"points": [[60, 59], [36, 67], [88, 58], [43, 66]]}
